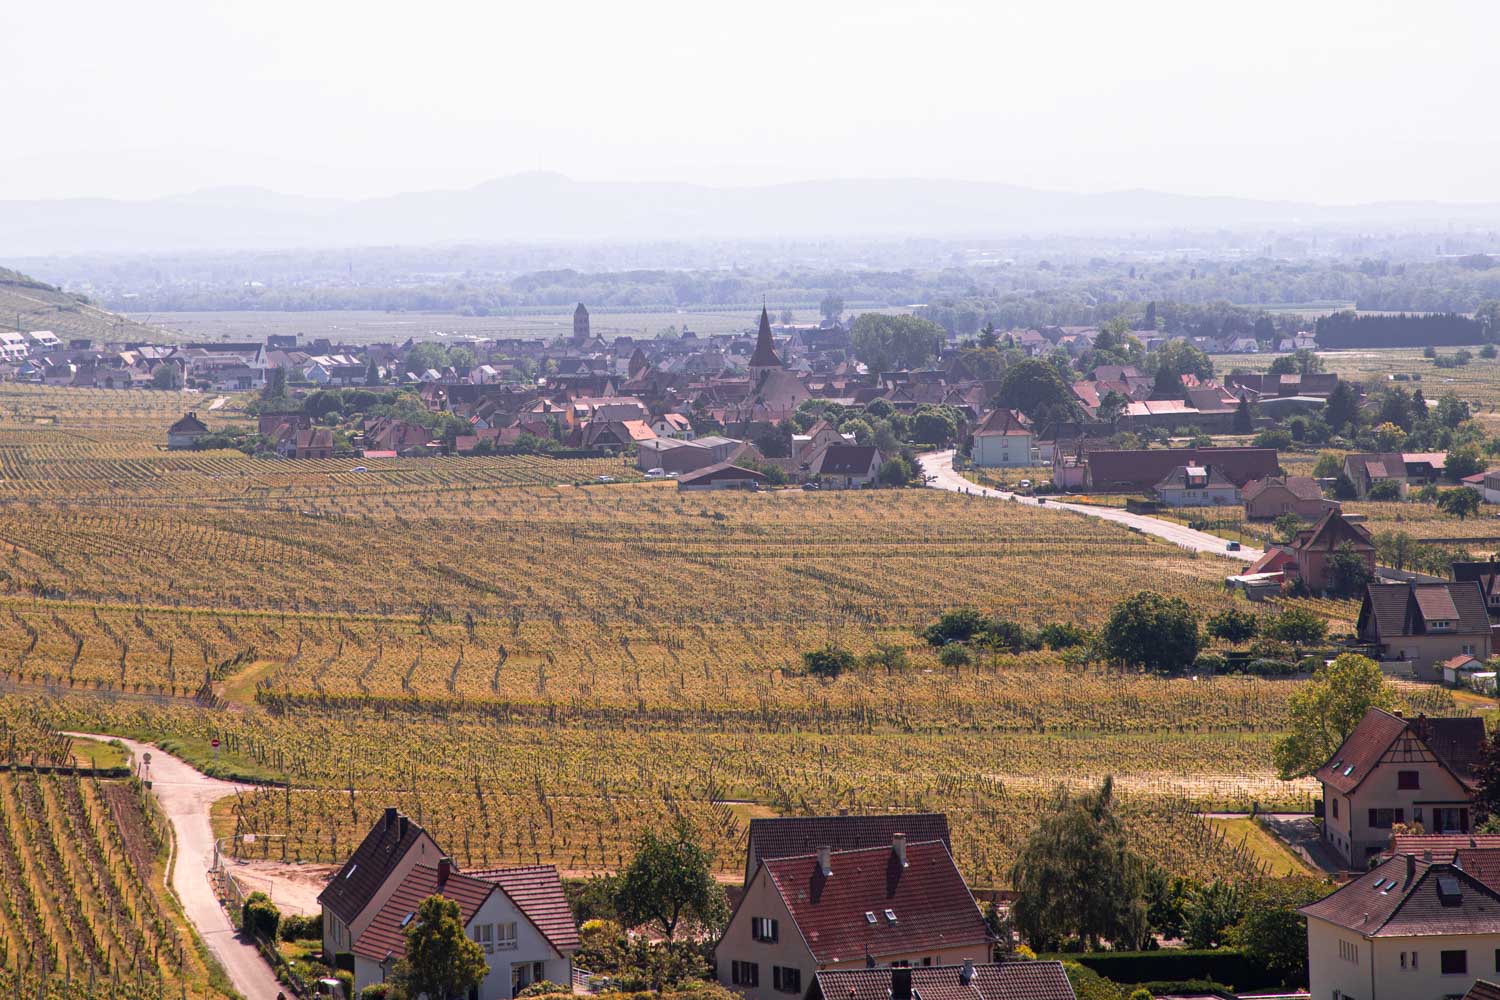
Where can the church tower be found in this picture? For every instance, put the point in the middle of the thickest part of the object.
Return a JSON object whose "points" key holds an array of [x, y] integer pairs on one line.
{"points": [[764, 360], [580, 325]]}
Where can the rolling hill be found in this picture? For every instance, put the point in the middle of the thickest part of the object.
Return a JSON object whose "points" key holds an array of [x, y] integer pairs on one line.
{"points": [[28, 304]]}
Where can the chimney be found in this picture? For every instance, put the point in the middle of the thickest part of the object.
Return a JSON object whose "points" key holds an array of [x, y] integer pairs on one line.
{"points": [[825, 860], [1411, 869], [1427, 856], [1399, 714], [390, 817], [898, 844], [966, 974], [445, 868], [901, 983], [404, 824]]}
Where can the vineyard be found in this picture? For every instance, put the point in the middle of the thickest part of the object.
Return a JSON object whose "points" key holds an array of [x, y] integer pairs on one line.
{"points": [[82, 912], [540, 667]]}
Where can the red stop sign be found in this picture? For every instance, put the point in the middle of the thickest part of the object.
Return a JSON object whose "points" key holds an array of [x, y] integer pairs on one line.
{"points": [[214, 743]]}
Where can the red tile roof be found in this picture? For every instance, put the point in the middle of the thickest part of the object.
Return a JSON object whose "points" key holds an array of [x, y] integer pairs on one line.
{"points": [[932, 906], [1409, 896], [1442, 845], [386, 934], [1002, 981], [538, 892], [795, 836], [1455, 742]]}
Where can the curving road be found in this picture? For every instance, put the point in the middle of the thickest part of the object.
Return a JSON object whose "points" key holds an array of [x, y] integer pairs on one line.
{"points": [[186, 795], [939, 466]]}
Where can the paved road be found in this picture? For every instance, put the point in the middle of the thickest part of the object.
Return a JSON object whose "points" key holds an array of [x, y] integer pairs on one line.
{"points": [[939, 465], [185, 795]]}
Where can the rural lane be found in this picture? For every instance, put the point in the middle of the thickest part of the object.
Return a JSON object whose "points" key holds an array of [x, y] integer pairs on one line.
{"points": [[185, 795], [939, 465]]}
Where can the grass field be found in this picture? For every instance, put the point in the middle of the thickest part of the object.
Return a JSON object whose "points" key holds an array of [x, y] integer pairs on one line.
{"points": [[1266, 848]]}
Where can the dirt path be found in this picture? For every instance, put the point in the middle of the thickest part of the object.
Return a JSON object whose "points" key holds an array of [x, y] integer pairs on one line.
{"points": [[186, 795], [939, 465]]}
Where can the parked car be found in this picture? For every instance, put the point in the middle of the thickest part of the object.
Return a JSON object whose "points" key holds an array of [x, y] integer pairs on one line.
{"points": [[1024, 484], [656, 473], [359, 468], [606, 479], [811, 486], [1232, 547]]}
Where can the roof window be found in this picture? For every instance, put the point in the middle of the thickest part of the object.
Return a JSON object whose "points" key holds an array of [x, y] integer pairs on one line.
{"points": [[350, 872], [869, 916], [890, 915], [408, 918], [1348, 770], [1450, 893]]}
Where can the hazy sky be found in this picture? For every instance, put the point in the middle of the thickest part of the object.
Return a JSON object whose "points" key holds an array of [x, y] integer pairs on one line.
{"points": [[1320, 100]]}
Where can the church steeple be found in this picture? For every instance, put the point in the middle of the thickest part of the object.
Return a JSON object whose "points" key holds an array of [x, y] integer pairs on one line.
{"points": [[764, 357], [580, 324]]}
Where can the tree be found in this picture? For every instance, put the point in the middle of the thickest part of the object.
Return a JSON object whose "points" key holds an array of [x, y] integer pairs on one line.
{"points": [[1150, 321], [1487, 774], [1273, 437], [275, 388], [832, 306], [1342, 406], [1450, 411], [1272, 932], [934, 425], [1330, 464], [830, 661], [1384, 490], [1148, 630], [1209, 912], [1244, 420], [1284, 365], [166, 376], [671, 877], [1111, 408], [1077, 877], [886, 343], [1460, 502], [1286, 527], [1298, 626], [958, 625], [1464, 461], [426, 355], [441, 961], [1348, 572], [1168, 385], [1325, 711], [1234, 625], [260, 917], [1389, 437], [372, 373], [1035, 388], [895, 471], [1181, 358]]}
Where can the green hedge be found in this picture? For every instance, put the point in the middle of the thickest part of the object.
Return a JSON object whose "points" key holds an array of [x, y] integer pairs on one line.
{"points": [[1222, 965]]}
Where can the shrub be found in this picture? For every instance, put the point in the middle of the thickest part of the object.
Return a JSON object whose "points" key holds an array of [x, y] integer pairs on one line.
{"points": [[296, 927], [1209, 663], [1062, 635], [543, 987], [1272, 668], [1386, 489], [958, 625], [1308, 664], [378, 991], [260, 917], [1275, 437]]}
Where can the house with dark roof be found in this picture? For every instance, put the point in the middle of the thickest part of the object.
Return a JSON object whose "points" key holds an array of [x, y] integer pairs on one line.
{"points": [[1486, 573], [901, 903], [357, 891], [1139, 469], [990, 981], [1412, 928], [848, 466], [1420, 625], [776, 837], [1365, 470], [1390, 770], [186, 432]]}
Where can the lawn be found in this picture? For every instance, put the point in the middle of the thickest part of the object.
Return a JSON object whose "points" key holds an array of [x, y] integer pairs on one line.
{"points": [[1264, 847]]}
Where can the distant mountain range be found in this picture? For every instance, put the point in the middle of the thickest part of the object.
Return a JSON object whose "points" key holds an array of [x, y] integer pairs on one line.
{"points": [[545, 207]]}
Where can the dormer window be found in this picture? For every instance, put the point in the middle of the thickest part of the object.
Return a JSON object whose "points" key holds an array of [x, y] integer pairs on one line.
{"points": [[1439, 625]]}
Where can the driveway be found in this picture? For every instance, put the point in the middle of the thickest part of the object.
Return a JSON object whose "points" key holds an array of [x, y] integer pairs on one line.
{"points": [[939, 465], [185, 795]]}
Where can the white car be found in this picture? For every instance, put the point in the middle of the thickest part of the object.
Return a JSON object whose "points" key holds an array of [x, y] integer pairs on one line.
{"points": [[606, 479], [359, 468], [1024, 484], [656, 473]]}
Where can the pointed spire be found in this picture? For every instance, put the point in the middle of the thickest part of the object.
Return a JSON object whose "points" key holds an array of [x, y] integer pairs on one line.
{"points": [[765, 347]]}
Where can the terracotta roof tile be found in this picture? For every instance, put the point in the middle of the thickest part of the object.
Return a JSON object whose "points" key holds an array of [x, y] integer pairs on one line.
{"points": [[386, 934], [538, 891], [354, 885], [794, 836], [931, 904], [1001, 981]]}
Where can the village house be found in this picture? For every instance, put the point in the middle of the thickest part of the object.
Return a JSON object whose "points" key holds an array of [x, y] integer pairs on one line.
{"points": [[186, 432], [1035, 980], [672, 455], [1313, 548], [1412, 928], [898, 903], [847, 466], [673, 425], [1365, 470], [1420, 625], [519, 916], [1196, 486], [1391, 770], [307, 442], [1004, 439], [1486, 573], [1269, 498]]}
